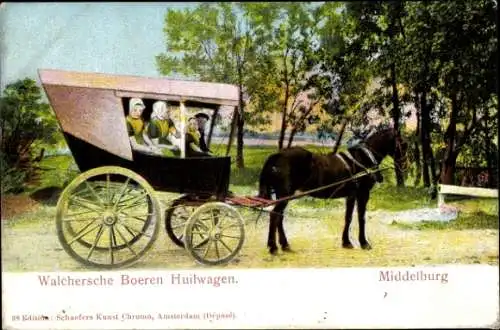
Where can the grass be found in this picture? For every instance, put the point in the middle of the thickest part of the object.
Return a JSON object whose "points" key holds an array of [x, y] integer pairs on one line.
{"points": [[475, 220], [475, 213], [314, 228]]}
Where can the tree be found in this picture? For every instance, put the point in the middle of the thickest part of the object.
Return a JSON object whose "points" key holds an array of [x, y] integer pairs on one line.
{"points": [[218, 42], [291, 42], [25, 120], [341, 67], [469, 74], [377, 28]]}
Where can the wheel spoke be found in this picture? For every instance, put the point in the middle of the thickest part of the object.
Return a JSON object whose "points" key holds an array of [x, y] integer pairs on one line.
{"points": [[135, 230], [135, 202], [81, 203], [125, 186], [215, 218], [112, 241], [96, 241], [206, 250], [197, 246], [225, 245], [77, 214], [230, 226], [80, 219], [98, 199], [229, 236], [82, 233], [199, 232], [217, 250], [108, 192], [200, 224], [125, 240], [126, 216]]}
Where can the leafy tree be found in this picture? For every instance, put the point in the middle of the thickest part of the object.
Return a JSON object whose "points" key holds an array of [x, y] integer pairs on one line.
{"points": [[468, 76], [25, 120], [218, 42], [377, 29], [290, 44], [338, 74]]}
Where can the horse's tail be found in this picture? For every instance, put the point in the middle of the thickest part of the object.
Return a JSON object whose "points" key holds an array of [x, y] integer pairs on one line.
{"points": [[266, 177]]}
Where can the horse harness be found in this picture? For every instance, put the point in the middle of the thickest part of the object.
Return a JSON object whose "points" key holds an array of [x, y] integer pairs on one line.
{"points": [[346, 155]]}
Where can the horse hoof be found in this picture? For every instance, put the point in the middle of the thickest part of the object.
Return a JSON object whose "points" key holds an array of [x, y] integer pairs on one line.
{"points": [[366, 246], [287, 249], [273, 251], [347, 245]]}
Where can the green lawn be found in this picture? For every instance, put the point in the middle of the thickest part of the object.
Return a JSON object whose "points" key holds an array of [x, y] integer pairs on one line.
{"points": [[313, 226]]}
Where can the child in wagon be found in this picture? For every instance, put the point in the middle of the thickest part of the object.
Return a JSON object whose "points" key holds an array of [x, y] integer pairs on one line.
{"points": [[193, 136], [161, 132]]}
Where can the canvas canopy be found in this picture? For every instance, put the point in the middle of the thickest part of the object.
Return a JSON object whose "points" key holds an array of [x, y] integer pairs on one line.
{"points": [[89, 105]]}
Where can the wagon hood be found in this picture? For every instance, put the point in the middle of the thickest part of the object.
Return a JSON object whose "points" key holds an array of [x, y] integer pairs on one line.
{"points": [[89, 106]]}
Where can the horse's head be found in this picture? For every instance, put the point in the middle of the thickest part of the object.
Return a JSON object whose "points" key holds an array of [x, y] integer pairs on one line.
{"points": [[389, 142]]}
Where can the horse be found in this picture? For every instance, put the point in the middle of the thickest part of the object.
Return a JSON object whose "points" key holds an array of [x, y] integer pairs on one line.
{"points": [[328, 176]]}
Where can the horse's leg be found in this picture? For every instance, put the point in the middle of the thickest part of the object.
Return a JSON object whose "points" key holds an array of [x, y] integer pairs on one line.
{"points": [[271, 238], [362, 199], [280, 209], [349, 208]]}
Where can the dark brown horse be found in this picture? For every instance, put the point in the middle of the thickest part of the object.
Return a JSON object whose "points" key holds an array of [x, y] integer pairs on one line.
{"points": [[296, 169]]}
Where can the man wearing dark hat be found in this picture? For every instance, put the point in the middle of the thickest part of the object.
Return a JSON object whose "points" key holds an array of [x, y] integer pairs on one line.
{"points": [[202, 119]]}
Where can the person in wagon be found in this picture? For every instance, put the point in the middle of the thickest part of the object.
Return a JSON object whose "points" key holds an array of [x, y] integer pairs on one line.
{"points": [[136, 125], [193, 137], [161, 131], [202, 119]]}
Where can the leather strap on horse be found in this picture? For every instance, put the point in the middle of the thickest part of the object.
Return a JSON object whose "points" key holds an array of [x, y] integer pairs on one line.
{"points": [[370, 156]]}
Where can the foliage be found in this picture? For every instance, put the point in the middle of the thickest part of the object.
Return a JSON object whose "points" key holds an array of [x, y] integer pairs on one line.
{"points": [[362, 62], [219, 42], [25, 121]]}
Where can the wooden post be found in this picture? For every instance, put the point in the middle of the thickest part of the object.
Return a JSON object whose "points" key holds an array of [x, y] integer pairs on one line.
{"points": [[183, 129], [212, 125], [233, 129]]}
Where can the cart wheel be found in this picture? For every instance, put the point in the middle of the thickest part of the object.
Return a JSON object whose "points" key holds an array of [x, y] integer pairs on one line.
{"points": [[214, 233], [87, 240], [176, 217], [107, 217]]}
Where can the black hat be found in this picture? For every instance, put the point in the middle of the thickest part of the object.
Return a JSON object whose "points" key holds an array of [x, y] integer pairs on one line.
{"points": [[202, 115]]}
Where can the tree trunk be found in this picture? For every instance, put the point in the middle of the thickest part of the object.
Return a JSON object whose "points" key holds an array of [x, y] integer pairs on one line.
{"points": [[339, 137], [416, 146], [396, 116], [290, 138], [450, 157], [285, 105], [424, 113]]}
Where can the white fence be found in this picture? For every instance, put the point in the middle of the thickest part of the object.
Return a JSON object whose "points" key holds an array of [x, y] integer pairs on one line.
{"points": [[445, 189]]}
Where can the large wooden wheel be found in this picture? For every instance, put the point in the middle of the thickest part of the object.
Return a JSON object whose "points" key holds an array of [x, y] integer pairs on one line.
{"points": [[107, 217], [214, 234]]}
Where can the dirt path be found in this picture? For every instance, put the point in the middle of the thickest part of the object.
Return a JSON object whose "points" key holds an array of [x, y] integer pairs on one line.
{"points": [[29, 243]]}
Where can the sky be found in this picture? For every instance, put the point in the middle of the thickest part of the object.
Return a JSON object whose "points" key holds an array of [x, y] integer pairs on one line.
{"points": [[115, 38]]}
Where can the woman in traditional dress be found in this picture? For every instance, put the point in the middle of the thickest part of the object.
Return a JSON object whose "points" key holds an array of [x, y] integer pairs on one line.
{"points": [[161, 131]]}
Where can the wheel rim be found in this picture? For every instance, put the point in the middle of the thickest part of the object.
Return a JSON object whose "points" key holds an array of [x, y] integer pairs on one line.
{"points": [[176, 217], [214, 234], [107, 217]]}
